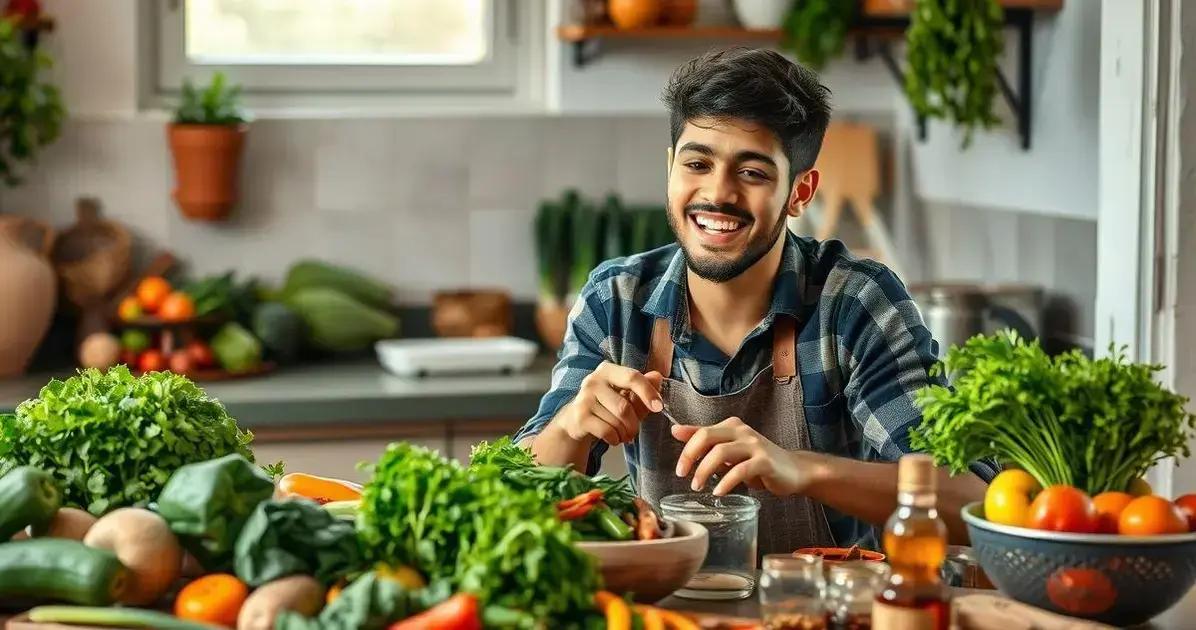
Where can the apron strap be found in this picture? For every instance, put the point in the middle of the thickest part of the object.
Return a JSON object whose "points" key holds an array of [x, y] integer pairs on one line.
{"points": [[784, 349], [660, 353]]}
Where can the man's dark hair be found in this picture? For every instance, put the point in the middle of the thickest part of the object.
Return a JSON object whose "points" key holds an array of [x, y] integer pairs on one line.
{"points": [[757, 85]]}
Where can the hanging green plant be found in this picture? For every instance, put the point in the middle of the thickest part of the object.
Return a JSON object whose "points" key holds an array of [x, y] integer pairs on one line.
{"points": [[31, 110], [952, 50], [816, 30]]}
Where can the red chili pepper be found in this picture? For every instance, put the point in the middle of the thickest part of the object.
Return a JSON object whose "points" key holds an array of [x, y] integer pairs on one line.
{"points": [[459, 612], [574, 512], [590, 498]]}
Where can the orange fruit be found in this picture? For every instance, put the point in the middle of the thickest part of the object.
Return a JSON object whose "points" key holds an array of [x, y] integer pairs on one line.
{"points": [[215, 599], [634, 13], [177, 307], [151, 292], [1151, 515], [1109, 506], [129, 309]]}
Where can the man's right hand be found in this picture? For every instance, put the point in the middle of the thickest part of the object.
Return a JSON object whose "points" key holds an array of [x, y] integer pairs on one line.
{"points": [[611, 404]]}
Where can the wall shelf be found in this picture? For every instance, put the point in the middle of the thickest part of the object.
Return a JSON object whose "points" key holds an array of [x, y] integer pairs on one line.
{"points": [[881, 23]]}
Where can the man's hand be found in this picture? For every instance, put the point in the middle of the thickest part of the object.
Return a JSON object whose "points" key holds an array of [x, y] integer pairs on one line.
{"points": [[611, 404], [741, 455]]}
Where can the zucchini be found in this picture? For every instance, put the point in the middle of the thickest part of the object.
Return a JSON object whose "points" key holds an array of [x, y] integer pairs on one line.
{"points": [[28, 496], [337, 322], [314, 274], [123, 617], [62, 570]]}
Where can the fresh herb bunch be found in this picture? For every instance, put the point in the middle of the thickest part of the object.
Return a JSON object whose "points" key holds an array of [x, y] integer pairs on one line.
{"points": [[31, 110], [816, 30], [112, 439], [216, 104], [481, 535], [952, 50], [553, 483], [1094, 424]]}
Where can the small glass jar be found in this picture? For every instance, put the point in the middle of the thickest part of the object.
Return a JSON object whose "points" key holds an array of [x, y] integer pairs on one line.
{"points": [[729, 570], [791, 592], [850, 589]]}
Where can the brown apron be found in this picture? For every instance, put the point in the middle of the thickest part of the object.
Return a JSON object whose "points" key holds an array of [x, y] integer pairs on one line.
{"points": [[771, 404]]}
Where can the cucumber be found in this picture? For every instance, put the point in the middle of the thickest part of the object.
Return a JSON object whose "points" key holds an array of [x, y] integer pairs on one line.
{"points": [[61, 570], [122, 617], [28, 496]]}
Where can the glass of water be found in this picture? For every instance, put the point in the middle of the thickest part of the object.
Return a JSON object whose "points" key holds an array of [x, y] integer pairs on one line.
{"points": [[791, 590], [729, 571]]}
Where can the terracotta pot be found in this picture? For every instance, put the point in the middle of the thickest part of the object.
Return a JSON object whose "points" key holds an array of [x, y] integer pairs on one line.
{"points": [[28, 291], [206, 163], [552, 318], [678, 12], [634, 13]]}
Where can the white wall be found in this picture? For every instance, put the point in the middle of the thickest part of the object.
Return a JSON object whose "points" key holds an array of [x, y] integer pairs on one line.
{"points": [[1058, 175]]}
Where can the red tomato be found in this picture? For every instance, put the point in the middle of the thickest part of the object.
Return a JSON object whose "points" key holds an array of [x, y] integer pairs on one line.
{"points": [[181, 363], [151, 361], [1187, 506], [1109, 506], [1081, 591], [201, 354], [1151, 515], [1063, 509]]}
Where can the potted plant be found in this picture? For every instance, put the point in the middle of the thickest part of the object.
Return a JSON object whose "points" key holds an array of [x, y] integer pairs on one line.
{"points": [[31, 110], [206, 141]]}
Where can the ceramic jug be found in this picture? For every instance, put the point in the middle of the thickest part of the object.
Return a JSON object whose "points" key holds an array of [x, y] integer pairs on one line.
{"points": [[28, 291]]}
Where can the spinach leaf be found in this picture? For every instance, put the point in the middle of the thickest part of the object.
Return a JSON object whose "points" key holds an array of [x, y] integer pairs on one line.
{"points": [[285, 537]]}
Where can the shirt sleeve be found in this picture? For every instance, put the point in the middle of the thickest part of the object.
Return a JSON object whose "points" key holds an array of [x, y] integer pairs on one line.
{"points": [[886, 352], [580, 354]]}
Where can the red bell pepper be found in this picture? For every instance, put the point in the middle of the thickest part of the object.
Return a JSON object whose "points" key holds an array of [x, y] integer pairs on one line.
{"points": [[459, 612]]}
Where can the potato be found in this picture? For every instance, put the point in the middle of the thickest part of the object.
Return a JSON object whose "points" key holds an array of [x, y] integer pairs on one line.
{"points": [[143, 542], [299, 593], [68, 522]]}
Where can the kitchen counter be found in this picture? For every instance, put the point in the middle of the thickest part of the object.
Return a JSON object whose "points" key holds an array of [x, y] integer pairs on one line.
{"points": [[359, 391]]}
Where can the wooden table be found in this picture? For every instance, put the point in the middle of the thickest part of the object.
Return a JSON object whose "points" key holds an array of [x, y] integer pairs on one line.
{"points": [[1182, 616]]}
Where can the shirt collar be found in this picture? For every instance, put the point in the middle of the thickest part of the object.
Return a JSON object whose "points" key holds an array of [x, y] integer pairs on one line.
{"points": [[669, 299]]}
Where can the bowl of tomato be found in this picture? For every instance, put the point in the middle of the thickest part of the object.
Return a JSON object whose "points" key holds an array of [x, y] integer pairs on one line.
{"points": [[1122, 579]]}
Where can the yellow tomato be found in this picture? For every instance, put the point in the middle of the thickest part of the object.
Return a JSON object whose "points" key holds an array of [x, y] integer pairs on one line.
{"points": [[404, 575], [1007, 500]]}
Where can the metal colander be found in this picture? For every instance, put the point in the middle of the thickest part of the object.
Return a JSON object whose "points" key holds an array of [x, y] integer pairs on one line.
{"points": [[1119, 580]]}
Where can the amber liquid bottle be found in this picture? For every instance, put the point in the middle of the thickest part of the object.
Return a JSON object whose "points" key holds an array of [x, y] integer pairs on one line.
{"points": [[915, 541]]}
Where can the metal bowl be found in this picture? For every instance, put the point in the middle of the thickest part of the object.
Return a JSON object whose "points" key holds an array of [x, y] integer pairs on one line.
{"points": [[1119, 580]]}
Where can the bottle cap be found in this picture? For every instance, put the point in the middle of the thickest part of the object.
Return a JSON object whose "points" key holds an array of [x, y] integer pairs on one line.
{"points": [[915, 474]]}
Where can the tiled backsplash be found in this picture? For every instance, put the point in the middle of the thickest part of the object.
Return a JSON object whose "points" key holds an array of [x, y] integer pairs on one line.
{"points": [[424, 204], [428, 204]]}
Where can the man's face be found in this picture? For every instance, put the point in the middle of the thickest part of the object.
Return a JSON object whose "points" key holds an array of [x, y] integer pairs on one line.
{"points": [[727, 195]]}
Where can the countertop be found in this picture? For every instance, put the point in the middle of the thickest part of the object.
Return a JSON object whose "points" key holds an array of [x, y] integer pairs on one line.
{"points": [[359, 391]]}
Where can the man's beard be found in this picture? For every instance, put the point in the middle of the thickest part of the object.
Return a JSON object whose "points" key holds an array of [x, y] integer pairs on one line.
{"points": [[714, 269]]}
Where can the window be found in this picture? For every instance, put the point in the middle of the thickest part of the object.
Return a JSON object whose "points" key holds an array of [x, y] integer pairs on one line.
{"points": [[299, 52]]}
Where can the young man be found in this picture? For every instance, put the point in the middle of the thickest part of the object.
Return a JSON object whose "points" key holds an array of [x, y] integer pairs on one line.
{"points": [[789, 366]]}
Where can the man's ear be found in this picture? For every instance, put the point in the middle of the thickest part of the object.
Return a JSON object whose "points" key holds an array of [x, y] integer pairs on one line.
{"points": [[802, 193]]}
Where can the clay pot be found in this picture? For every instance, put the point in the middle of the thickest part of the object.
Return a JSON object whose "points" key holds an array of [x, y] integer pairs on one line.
{"points": [[28, 291], [92, 256], [206, 163], [678, 12], [628, 14], [552, 318]]}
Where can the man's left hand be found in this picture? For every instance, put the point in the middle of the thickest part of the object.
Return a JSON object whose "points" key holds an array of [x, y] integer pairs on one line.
{"points": [[742, 455]]}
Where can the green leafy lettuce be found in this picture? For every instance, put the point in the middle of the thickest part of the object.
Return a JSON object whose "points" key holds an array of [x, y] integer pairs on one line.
{"points": [[1094, 424], [470, 529], [111, 439]]}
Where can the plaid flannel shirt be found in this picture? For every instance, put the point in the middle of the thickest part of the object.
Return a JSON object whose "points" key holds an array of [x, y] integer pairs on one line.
{"points": [[863, 350]]}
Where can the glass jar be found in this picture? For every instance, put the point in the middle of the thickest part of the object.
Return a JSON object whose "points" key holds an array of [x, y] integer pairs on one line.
{"points": [[731, 521], [850, 589], [791, 591]]}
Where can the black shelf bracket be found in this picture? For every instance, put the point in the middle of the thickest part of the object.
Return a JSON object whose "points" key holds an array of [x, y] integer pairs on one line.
{"points": [[586, 51], [1022, 20]]}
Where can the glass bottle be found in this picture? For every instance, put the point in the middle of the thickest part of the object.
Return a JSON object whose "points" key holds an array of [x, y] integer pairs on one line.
{"points": [[915, 539]]}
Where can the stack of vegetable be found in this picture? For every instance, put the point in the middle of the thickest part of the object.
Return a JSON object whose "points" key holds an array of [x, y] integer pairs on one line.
{"points": [[342, 310], [1072, 427]]}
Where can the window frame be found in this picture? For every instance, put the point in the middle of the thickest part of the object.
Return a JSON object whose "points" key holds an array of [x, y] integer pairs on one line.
{"points": [[510, 76]]}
